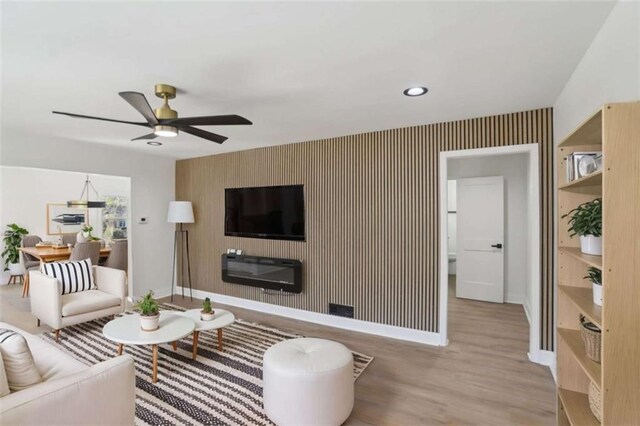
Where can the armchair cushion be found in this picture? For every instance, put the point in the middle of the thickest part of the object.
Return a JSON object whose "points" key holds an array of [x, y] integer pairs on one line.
{"points": [[17, 360], [4, 383], [87, 301], [74, 276]]}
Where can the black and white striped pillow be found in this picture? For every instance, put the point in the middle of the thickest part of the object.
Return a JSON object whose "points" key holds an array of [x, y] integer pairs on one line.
{"points": [[74, 276]]}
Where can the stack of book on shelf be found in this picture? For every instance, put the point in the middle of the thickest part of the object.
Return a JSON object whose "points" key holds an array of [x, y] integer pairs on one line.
{"points": [[581, 164]]}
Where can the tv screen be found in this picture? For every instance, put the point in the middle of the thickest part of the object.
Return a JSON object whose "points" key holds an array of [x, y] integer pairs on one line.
{"points": [[275, 212]]}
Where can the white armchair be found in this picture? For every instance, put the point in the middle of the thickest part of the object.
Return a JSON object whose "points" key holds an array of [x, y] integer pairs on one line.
{"points": [[58, 311]]}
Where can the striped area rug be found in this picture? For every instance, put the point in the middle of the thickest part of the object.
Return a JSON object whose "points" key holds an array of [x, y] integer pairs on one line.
{"points": [[219, 388]]}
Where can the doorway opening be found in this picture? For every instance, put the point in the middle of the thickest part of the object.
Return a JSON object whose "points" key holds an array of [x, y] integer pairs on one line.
{"points": [[490, 241]]}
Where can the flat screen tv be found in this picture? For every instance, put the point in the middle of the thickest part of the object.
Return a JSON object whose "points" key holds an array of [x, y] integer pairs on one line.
{"points": [[274, 212]]}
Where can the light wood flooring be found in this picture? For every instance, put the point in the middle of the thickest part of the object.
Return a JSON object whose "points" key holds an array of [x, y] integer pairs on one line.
{"points": [[482, 377]]}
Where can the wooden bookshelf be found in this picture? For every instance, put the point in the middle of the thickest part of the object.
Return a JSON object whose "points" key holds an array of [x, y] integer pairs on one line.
{"points": [[582, 298], [591, 182], [587, 259], [574, 342], [614, 130], [576, 407]]}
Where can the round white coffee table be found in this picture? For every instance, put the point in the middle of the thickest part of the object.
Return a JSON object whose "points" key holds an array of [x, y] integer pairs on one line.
{"points": [[126, 331], [220, 320]]}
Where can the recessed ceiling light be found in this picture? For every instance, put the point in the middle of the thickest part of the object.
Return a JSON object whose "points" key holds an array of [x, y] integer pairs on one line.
{"points": [[154, 143], [415, 91]]}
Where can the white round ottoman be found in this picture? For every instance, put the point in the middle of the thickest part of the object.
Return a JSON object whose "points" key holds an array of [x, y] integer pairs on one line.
{"points": [[308, 382]]}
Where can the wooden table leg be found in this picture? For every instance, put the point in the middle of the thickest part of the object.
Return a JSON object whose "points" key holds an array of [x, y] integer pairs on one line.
{"points": [[154, 376], [175, 345], [196, 335], [120, 346], [219, 339]]}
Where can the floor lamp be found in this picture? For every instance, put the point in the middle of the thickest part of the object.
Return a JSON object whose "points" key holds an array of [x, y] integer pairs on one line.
{"points": [[181, 212]]}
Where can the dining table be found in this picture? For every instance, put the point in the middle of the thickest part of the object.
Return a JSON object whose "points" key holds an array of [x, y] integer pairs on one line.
{"points": [[46, 254]]}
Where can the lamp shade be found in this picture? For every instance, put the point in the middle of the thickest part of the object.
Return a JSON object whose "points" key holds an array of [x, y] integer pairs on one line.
{"points": [[180, 212]]}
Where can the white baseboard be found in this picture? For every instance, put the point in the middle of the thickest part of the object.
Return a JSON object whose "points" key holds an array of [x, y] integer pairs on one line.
{"points": [[527, 312], [394, 332], [514, 298], [547, 358]]}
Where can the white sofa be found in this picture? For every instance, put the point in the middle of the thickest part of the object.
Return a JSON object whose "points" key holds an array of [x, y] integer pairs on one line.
{"points": [[72, 393], [58, 311]]}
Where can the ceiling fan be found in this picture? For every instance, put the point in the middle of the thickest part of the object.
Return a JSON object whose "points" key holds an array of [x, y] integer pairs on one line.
{"points": [[164, 121]]}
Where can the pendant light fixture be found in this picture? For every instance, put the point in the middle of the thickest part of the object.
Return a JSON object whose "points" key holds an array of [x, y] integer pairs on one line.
{"points": [[86, 204]]}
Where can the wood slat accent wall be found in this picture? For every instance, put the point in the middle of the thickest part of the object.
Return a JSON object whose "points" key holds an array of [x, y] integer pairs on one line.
{"points": [[371, 215]]}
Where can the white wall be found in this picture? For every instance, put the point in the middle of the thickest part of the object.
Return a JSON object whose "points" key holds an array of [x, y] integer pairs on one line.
{"points": [[608, 72], [152, 187], [452, 188], [27, 191], [514, 168]]}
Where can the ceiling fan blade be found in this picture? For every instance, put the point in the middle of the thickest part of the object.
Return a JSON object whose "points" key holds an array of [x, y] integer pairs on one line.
{"points": [[140, 103], [149, 136], [203, 134], [211, 120], [100, 118]]}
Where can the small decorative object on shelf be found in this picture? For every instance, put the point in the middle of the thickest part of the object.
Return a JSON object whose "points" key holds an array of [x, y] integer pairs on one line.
{"points": [[595, 276], [586, 221], [581, 164], [207, 313], [149, 312], [591, 338]]}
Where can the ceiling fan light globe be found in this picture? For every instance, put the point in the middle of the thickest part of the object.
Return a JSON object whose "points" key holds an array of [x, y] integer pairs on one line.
{"points": [[165, 131]]}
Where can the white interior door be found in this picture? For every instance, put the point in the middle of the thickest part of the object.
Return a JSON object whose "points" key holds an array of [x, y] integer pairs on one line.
{"points": [[480, 229]]}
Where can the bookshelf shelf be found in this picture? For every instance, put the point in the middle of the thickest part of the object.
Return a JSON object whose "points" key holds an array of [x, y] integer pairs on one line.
{"points": [[574, 342], [592, 181], [588, 133], [576, 405], [582, 298], [595, 261]]}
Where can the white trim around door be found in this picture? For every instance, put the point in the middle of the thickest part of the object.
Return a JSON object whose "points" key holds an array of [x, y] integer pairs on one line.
{"points": [[533, 231]]}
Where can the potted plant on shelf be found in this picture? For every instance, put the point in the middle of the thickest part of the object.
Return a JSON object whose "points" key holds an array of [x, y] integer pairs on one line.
{"points": [[149, 312], [586, 221], [595, 276], [207, 313], [11, 255]]}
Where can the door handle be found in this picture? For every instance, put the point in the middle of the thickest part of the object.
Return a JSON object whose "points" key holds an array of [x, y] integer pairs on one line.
{"points": [[496, 245]]}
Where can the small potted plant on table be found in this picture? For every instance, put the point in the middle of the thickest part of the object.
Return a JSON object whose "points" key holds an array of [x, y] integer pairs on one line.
{"points": [[207, 313], [11, 255], [149, 312], [586, 221], [595, 276]]}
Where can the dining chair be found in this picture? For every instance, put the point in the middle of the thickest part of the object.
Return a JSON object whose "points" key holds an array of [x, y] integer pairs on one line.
{"points": [[118, 258], [88, 250], [69, 239], [30, 262]]}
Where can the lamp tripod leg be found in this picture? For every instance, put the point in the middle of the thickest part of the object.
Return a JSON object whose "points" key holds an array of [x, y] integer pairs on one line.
{"points": [[173, 270]]}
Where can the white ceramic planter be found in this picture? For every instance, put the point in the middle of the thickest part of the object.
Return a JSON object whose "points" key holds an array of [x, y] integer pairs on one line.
{"points": [[149, 323], [597, 294], [207, 317], [16, 269], [591, 245]]}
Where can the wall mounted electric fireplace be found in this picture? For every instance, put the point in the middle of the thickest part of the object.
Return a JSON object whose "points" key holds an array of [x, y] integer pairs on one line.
{"points": [[263, 272]]}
